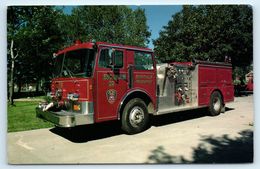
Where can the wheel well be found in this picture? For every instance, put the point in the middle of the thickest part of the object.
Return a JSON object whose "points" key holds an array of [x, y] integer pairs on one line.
{"points": [[141, 95], [217, 90]]}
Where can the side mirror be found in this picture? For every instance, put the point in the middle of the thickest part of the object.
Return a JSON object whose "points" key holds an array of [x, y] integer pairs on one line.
{"points": [[111, 57]]}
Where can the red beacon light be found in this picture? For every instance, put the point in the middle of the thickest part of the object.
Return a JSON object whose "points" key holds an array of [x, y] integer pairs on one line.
{"points": [[77, 42]]}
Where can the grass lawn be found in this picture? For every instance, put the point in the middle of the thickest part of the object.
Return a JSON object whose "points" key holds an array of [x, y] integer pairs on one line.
{"points": [[22, 117]]}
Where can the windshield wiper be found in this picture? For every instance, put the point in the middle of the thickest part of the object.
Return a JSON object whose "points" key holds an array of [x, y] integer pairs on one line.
{"points": [[67, 71]]}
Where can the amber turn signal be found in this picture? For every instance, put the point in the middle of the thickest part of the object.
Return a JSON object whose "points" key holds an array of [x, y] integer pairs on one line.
{"points": [[76, 107]]}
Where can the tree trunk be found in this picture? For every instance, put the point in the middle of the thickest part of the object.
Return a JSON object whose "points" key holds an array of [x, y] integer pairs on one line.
{"points": [[11, 90]]}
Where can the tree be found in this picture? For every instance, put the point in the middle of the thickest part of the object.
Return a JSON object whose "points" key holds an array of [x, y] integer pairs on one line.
{"points": [[40, 38], [33, 34], [208, 32], [36, 32], [114, 24], [15, 21]]}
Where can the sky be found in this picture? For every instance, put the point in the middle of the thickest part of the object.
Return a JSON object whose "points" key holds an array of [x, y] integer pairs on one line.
{"points": [[157, 17]]}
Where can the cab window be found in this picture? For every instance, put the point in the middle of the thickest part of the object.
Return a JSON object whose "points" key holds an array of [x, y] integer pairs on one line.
{"points": [[104, 61], [143, 61], [118, 59]]}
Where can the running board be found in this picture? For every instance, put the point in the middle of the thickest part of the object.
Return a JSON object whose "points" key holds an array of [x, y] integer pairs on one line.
{"points": [[177, 109]]}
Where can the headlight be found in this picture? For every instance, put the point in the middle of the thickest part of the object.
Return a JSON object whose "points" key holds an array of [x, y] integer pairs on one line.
{"points": [[58, 93], [73, 96]]}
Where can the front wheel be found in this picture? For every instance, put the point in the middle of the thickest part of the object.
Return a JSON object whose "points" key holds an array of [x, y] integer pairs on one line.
{"points": [[135, 116], [216, 103]]}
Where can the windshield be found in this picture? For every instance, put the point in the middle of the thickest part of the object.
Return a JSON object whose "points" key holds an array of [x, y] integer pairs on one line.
{"points": [[78, 63]]}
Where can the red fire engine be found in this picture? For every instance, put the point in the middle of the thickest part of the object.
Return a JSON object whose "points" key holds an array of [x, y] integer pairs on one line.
{"points": [[97, 82]]}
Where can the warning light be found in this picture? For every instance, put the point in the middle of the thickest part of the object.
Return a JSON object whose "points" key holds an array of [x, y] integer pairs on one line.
{"points": [[77, 42]]}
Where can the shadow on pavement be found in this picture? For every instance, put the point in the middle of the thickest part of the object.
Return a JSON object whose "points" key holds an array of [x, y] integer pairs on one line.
{"points": [[228, 109], [178, 117], [212, 150], [81, 134], [182, 116]]}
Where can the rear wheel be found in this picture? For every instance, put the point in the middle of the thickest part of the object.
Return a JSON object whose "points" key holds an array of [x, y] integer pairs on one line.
{"points": [[135, 116], [216, 103]]}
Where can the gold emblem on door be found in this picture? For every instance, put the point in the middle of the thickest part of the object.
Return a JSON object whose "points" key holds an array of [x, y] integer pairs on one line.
{"points": [[111, 96]]}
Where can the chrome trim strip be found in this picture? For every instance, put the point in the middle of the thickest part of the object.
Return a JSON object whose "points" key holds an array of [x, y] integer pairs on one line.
{"points": [[87, 108], [195, 86]]}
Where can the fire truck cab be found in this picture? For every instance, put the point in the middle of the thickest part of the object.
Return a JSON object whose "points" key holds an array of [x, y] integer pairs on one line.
{"points": [[96, 82]]}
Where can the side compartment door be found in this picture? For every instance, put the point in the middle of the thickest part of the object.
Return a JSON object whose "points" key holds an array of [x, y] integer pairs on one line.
{"points": [[111, 84], [207, 82]]}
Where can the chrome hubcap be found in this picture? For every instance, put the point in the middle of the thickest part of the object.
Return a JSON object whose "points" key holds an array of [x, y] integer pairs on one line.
{"points": [[136, 116], [216, 104]]}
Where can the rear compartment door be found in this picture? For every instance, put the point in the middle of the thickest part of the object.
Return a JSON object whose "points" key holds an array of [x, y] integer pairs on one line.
{"points": [[224, 77], [215, 77], [207, 82]]}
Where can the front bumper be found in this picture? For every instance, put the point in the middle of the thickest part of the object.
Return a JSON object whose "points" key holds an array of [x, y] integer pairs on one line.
{"points": [[65, 118]]}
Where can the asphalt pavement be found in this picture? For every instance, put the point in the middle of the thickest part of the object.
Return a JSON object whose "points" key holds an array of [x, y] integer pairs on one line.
{"points": [[183, 137]]}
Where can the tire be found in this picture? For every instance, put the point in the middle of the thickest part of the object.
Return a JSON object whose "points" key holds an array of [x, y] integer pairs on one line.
{"points": [[216, 104], [135, 117]]}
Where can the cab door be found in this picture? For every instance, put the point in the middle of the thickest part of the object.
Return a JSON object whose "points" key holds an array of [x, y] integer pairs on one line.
{"points": [[111, 83]]}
